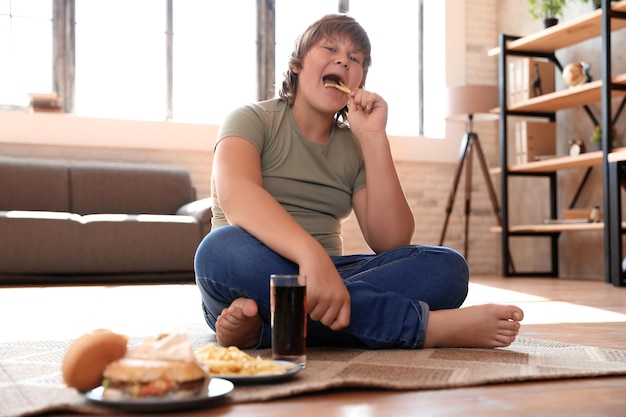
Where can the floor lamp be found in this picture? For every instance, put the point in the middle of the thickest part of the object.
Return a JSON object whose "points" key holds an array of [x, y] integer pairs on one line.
{"points": [[470, 103]]}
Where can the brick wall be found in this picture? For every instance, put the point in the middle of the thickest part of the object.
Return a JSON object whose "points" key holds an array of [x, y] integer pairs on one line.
{"points": [[427, 187]]}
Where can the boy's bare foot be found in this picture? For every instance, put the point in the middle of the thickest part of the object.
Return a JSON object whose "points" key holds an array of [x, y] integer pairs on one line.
{"points": [[239, 324], [487, 326]]}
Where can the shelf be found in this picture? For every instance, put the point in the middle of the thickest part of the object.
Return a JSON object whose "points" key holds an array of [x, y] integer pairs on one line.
{"points": [[618, 155], [553, 228], [558, 163], [571, 97], [544, 44], [566, 33]]}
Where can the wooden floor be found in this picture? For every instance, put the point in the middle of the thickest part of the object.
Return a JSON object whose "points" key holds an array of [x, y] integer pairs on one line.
{"points": [[575, 311]]}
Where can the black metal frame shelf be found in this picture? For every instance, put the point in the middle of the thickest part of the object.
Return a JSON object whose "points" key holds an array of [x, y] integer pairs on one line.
{"points": [[543, 44]]}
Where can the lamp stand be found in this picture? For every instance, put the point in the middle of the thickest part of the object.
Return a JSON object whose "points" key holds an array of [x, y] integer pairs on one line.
{"points": [[469, 142]]}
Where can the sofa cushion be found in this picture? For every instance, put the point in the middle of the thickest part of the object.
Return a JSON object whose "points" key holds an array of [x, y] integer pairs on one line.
{"points": [[139, 243], [39, 242], [201, 210], [129, 189], [65, 243], [32, 184]]}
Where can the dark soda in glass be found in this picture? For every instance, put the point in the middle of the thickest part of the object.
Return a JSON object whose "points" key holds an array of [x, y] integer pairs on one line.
{"points": [[288, 308]]}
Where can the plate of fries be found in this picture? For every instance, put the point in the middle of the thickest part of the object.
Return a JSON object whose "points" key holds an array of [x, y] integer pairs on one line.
{"points": [[237, 366]]}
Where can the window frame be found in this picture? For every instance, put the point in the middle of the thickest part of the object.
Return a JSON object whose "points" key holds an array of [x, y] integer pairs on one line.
{"points": [[64, 53]]}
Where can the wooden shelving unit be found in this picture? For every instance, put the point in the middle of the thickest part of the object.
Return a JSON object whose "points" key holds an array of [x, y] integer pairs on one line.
{"points": [[588, 159], [549, 229], [585, 160], [565, 34], [572, 97], [598, 23]]}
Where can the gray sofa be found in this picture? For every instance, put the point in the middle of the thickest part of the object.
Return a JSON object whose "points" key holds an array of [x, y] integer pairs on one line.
{"points": [[86, 223]]}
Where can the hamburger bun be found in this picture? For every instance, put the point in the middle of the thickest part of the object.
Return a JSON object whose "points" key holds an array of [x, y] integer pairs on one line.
{"points": [[145, 370], [88, 356]]}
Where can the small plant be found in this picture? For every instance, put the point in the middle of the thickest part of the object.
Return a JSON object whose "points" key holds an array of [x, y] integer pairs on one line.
{"points": [[596, 137], [546, 9], [596, 3]]}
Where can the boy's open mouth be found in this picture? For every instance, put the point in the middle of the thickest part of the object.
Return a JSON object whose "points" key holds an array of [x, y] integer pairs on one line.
{"points": [[333, 81]]}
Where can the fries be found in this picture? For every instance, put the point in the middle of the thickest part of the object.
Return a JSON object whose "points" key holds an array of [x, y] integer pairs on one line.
{"points": [[340, 87], [234, 362]]}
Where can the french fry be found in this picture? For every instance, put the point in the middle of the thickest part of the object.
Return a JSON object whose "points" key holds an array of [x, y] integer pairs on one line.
{"points": [[234, 362], [341, 87]]}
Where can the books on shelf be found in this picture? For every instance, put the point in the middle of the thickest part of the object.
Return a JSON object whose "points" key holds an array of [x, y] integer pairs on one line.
{"points": [[577, 216], [534, 141], [46, 102], [566, 221], [528, 78]]}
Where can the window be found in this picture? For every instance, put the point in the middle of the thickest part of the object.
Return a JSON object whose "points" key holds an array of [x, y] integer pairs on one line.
{"points": [[120, 67], [121, 56], [396, 62], [434, 68], [123, 74], [395, 55], [214, 58], [292, 18], [25, 50]]}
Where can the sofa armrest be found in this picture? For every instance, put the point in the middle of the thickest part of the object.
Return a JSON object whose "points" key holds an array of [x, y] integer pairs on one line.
{"points": [[201, 210]]}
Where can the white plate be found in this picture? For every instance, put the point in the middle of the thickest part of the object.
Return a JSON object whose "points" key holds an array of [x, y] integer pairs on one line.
{"points": [[218, 388], [263, 379]]}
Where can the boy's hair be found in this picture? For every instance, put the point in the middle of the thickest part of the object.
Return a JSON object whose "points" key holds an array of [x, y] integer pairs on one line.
{"points": [[328, 27]]}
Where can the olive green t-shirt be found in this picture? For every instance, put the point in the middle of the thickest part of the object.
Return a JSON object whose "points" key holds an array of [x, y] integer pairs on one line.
{"points": [[313, 182]]}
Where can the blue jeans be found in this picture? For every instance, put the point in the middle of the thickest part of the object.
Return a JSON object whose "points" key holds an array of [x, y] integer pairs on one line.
{"points": [[391, 293]]}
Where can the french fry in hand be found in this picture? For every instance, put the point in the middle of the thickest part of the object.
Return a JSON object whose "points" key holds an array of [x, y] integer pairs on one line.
{"points": [[340, 87]]}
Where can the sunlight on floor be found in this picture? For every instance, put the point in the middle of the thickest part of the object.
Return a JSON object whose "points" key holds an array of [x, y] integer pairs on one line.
{"points": [[67, 312], [539, 310]]}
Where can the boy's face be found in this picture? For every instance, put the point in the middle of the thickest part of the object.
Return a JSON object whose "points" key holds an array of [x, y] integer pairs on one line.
{"points": [[330, 60]]}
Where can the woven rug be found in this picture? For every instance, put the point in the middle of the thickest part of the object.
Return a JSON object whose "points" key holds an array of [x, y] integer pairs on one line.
{"points": [[31, 382]]}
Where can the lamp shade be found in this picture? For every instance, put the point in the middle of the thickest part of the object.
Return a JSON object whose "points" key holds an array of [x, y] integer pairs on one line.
{"points": [[475, 100]]}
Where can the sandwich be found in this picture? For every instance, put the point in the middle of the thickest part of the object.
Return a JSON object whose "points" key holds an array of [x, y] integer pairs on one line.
{"points": [[131, 378], [164, 366]]}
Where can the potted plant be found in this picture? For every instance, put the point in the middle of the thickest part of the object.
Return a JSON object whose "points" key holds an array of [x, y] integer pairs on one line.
{"points": [[547, 10], [596, 137], [596, 3]]}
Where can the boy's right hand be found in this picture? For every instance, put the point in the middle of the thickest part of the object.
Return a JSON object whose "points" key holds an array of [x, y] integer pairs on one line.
{"points": [[328, 300]]}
